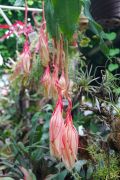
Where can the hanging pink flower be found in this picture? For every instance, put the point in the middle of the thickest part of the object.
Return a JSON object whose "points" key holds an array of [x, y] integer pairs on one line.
{"points": [[69, 143], [23, 65], [17, 70], [56, 131], [46, 81], [43, 43], [54, 80], [62, 84], [25, 57]]}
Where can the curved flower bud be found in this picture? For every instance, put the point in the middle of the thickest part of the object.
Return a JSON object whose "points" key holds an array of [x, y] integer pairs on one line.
{"points": [[23, 64], [46, 81], [69, 143], [25, 58], [43, 42], [63, 85], [54, 80], [17, 69], [56, 131], [44, 52]]}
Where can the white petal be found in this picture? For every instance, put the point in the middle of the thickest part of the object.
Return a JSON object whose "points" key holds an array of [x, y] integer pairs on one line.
{"points": [[1, 60]]}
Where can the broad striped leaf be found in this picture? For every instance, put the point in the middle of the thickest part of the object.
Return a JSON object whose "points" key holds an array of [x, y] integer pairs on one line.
{"points": [[62, 15], [52, 24], [67, 13]]}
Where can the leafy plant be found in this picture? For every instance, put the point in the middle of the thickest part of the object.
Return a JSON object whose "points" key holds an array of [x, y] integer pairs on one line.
{"points": [[94, 88], [107, 165]]}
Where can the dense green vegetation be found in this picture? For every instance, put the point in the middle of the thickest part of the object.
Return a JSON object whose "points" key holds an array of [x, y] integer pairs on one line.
{"points": [[93, 67]]}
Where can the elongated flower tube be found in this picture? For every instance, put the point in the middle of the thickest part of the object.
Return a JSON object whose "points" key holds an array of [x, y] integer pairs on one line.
{"points": [[25, 57], [69, 143], [56, 130], [62, 84], [44, 52], [46, 81], [54, 80], [23, 64], [17, 70], [43, 42]]}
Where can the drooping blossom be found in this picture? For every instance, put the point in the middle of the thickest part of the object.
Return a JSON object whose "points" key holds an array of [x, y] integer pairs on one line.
{"points": [[43, 42], [25, 58], [62, 84], [69, 142], [17, 70], [46, 81], [54, 80], [56, 131], [23, 65]]}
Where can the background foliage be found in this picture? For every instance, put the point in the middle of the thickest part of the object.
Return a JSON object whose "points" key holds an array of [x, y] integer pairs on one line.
{"points": [[25, 114]]}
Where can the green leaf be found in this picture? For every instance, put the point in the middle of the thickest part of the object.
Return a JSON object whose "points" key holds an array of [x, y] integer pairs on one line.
{"points": [[93, 127], [52, 24], [60, 176], [114, 52], [80, 164], [96, 28], [85, 42], [59, 18], [110, 36], [36, 131], [30, 2], [113, 67], [90, 172], [104, 48], [67, 16], [117, 91]]}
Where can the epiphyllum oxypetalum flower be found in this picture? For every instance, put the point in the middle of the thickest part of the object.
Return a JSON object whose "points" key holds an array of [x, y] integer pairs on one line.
{"points": [[69, 142], [56, 130], [46, 81]]}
